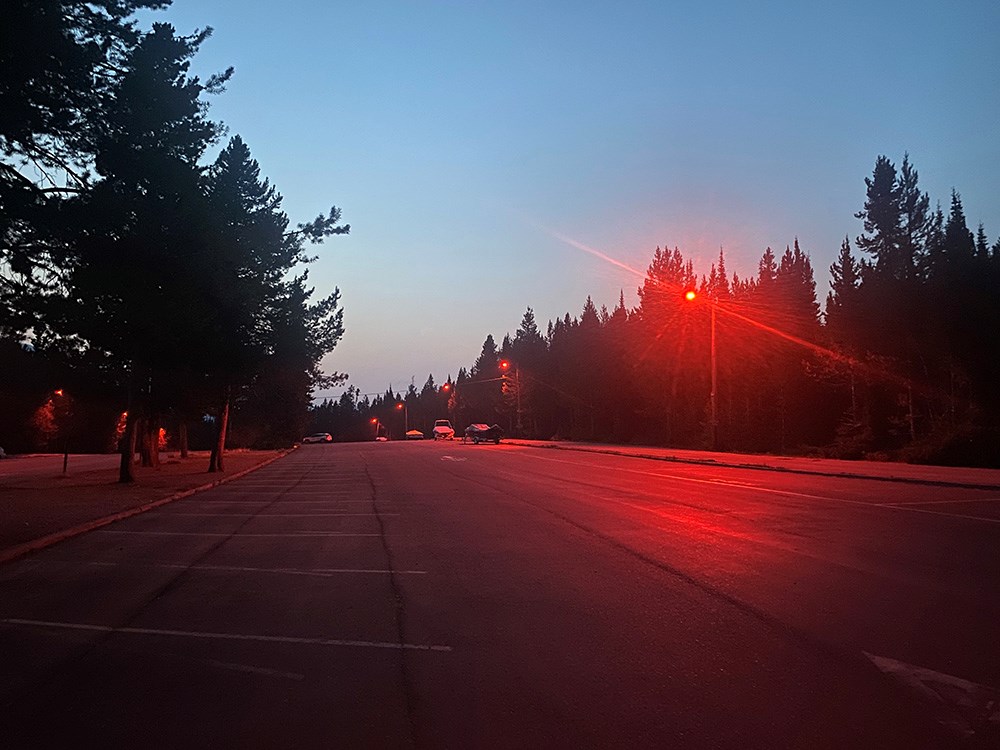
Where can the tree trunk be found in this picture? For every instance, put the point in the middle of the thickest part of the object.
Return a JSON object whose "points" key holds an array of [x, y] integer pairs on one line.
{"points": [[153, 430], [126, 467], [182, 438], [910, 416], [218, 450], [149, 447]]}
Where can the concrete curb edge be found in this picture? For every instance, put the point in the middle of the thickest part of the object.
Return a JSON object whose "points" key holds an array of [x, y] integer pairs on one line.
{"points": [[20, 550]]}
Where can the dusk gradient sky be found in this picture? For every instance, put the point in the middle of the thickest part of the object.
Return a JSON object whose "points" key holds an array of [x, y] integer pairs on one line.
{"points": [[475, 148]]}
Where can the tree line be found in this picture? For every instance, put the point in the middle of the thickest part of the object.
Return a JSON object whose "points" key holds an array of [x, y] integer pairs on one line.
{"points": [[901, 362], [145, 282]]}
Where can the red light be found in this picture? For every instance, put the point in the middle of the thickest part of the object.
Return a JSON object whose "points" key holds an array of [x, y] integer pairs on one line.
{"points": [[504, 364], [690, 295]]}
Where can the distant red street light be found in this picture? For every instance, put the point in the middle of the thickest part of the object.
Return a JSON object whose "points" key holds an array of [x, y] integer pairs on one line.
{"points": [[690, 295]]}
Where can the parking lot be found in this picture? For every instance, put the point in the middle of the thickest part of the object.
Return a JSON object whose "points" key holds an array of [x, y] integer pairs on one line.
{"points": [[268, 595]]}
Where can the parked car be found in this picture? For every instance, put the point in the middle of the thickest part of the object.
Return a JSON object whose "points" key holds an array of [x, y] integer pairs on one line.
{"points": [[479, 433], [414, 435], [319, 437], [443, 430]]}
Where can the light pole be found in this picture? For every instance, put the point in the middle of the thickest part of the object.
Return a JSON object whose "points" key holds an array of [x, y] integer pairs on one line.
{"points": [[406, 416], [374, 421], [61, 411], [690, 296], [505, 365]]}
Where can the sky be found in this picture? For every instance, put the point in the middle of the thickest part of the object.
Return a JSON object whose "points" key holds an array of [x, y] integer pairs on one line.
{"points": [[487, 155]]}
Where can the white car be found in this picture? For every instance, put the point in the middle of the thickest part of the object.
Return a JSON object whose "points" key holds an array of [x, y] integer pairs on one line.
{"points": [[443, 430], [319, 437]]}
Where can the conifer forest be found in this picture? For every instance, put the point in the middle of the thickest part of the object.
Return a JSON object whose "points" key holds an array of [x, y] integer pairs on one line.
{"points": [[152, 285]]}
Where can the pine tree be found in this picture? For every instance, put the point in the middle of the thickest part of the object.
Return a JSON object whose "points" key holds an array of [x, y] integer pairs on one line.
{"points": [[147, 214], [767, 269], [841, 302], [882, 217], [915, 221], [959, 243], [982, 244]]}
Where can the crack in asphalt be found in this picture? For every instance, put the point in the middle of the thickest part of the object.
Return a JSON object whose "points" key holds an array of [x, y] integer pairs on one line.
{"points": [[399, 610]]}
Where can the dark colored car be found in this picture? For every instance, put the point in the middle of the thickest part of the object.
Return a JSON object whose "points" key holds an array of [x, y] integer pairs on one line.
{"points": [[479, 433]]}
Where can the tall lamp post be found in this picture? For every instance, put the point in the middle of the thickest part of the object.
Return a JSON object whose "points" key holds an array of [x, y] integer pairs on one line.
{"points": [[505, 366], [62, 409], [690, 296], [406, 416]]}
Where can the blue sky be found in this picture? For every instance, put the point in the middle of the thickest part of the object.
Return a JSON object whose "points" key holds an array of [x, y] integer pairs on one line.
{"points": [[465, 142]]}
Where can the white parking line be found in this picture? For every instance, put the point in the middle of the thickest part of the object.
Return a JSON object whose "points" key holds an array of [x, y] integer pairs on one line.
{"points": [[906, 503], [319, 572], [209, 533], [251, 669], [223, 636], [286, 501], [282, 515], [283, 500]]}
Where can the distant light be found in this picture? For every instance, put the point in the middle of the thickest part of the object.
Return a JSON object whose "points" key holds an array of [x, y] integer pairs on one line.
{"points": [[399, 406], [504, 364], [59, 392], [690, 295], [374, 420]]}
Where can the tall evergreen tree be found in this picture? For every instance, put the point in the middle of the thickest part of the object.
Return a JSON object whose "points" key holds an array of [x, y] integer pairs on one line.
{"points": [[841, 301], [59, 62], [882, 217], [915, 221], [959, 242], [145, 217]]}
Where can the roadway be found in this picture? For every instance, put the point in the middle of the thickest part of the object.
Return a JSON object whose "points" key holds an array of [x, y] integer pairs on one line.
{"points": [[447, 595]]}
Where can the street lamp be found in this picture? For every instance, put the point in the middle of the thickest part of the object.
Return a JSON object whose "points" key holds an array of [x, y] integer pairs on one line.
{"points": [[406, 416], [61, 425], [374, 421], [690, 296], [505, 366]]}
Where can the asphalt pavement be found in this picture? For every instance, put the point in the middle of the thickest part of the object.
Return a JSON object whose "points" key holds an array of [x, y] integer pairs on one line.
{"points": [[448, 595]]}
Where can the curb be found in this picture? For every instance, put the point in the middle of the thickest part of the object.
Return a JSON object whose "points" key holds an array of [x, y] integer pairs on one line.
{"points": [[760, 467], [20, 550]]}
